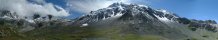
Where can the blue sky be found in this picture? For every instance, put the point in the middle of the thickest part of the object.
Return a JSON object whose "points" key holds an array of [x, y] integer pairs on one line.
{"points": [[63, 3], [192, 9]]}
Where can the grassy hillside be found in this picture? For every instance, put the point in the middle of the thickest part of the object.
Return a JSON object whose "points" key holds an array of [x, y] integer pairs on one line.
{"points": [[9, 32]]}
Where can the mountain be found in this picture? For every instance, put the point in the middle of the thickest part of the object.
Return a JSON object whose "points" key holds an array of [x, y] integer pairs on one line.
{"points": [[119, 21], [7, 14], [143, 20], [35, 27], [25, 24]]}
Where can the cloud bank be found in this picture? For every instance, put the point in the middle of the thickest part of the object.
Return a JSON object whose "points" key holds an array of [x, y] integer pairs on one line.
{"points": [[86, 6], [26, 8]]}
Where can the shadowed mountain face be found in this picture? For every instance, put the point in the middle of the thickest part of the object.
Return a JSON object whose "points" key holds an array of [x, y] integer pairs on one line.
{"points": [[119, 21]]}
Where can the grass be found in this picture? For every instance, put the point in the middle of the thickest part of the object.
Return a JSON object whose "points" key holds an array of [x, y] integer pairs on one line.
{"points": [[8, 32], [114, 33], [72, 33], [59, 33]]}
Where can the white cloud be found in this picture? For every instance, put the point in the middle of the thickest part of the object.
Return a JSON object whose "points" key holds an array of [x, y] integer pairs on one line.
{"points": [[25, 8], [38, 1], [86, 6]]}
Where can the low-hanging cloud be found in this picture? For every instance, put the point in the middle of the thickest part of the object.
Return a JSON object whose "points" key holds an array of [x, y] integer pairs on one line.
{"points": [[26, 8], [85, 6]]}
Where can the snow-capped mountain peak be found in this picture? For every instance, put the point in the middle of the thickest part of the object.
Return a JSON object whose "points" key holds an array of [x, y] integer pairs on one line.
{"points": [[130, 10]]}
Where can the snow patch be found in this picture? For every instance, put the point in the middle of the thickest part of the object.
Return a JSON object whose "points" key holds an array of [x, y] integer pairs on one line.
{"points": [[84, 25], [119, 14], [121, 8], [31, 21], [162, 18], [143, 6], [104, 18], [164, 11]]}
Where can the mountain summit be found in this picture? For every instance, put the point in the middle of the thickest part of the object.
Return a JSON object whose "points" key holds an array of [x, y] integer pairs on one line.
{"points": [[130, 11]]}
